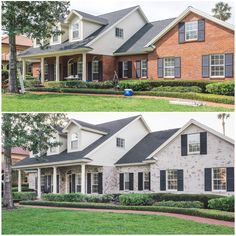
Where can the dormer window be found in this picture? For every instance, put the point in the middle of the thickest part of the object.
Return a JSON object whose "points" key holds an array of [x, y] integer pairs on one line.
{"points": [[75, 30], [120, 142], [74, 141], [55, 38], [191, 30], [52, 149]]}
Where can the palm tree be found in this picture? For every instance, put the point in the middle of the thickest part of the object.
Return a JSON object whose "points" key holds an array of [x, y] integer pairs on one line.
{"points": [[223, 117], [222, 11]]}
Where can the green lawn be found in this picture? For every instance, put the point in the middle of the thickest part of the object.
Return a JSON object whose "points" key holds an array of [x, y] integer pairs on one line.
{"points": [[76, 103], [58, 221]]}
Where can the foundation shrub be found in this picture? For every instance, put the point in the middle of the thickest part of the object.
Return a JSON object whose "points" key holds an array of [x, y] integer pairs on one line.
{"points": [[30, 77], [24, 195], [136, 199], [99, 198], [181, 89], [221, 88], [72, 197], [181, 204], [32, 83], [223, 204]]}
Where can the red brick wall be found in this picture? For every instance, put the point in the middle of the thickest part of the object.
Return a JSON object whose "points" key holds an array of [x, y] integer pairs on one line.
{"points": [[35, 69], [109, 66]]}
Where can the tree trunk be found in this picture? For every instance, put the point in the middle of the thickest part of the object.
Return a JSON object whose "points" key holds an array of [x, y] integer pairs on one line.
{"points": [[12, 64]]}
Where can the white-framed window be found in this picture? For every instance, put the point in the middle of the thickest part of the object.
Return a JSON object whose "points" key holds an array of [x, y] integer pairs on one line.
{"points": [[94, 184], [172, 180], [125, 69], [144, 68], [194, 143], [75, 30], [120, 142], [55, 38], [80, 67], [119, 33], [74, 141], [191, 30], [217, 65], [146, 181], [52, 149], [78, 183], [126, 181], [219, 179], [169, 67]]}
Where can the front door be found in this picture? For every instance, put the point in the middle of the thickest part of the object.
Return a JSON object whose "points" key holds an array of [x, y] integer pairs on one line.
{"points": [[47, 183], [71, 180]]}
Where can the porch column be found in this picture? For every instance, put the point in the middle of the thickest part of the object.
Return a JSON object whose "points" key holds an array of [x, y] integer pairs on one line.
{"points": [[57, 69], [42, 70], [83, 178], [84, 74], [23, 69], [19, 180], [39, 183], [54, 179]]}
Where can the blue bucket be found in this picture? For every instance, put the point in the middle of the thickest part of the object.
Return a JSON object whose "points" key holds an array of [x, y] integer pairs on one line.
{"points": [[128, 92]]}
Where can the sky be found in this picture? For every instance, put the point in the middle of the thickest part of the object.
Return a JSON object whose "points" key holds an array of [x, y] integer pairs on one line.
{"points": [[161, 120], [153, 9]]}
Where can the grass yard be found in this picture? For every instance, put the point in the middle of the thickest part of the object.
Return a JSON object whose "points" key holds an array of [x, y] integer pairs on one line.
{"points": [[77, 103], [58, 221]]}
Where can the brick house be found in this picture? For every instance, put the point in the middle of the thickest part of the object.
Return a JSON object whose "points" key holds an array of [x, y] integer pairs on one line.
{"points": [[193, 46]]}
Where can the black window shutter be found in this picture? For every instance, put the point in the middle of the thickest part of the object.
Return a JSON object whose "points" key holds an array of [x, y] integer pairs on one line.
{"points": [[160, 67], [180, 176], [138, 69], [205, 66], [100, 71], [120, 68], [121, 181], [149, 175], [131, 181], [88, 182], [100, 183], [89, 71], [140, 181], [229, 65], [230, 179], [162, 180], [58, 183], [73, 183], [129, 69], [203, 143], [184, 145], [177, 67], [181, 32], [72, 68], [49, 183], [201, 30], [208, 179]]}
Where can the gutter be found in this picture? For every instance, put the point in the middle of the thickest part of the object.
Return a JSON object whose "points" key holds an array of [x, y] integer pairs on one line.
{"points": [[145, 51]]}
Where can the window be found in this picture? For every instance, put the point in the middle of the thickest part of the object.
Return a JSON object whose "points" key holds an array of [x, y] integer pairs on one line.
{"points": [[55, 38], [191, 30], [146, 180], [143, 68], [172, 179], [169, 67], [94, 182], [217, 65], [74, 141], [78, 183], [219, 178], [125, 69], [120, 142], [193, 143], [126, 181], [119, 33], [52, 149], [37, 42], [80, 67], [75, 30]]}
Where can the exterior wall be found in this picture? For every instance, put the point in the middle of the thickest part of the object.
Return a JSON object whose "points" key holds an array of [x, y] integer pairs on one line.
{"points": [[35, 69], [65, 35], [89, 28], [219, 154], [109, 66], [31, 180]]}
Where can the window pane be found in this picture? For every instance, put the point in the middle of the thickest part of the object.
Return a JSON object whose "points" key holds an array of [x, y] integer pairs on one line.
{"points": [[219, 178], [169, 67], [191, 30], [95, 66], [194, 143], [217, 65], [75, 30], [172, 179]]}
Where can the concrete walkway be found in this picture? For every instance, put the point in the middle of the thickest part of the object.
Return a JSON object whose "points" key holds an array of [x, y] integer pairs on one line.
{"points": [[180, 216]]}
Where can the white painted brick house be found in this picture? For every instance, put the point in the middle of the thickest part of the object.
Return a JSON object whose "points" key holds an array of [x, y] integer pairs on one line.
{"points": [[125, 156]]}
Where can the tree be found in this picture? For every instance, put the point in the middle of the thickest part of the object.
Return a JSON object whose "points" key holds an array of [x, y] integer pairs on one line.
{"points": [[35, 19], [222, 11], [223, 117], [31, 131]]}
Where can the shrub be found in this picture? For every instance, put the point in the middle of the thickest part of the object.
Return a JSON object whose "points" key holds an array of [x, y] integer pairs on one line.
{"points": [[100, 85], [136, 199], [24, 195], [136, 86], [72, 197], [23, 189], [181, 89], [221, 88], [224, 203], [5, 75], [99, 198], [181, 204], [32, 83], [30, 77]]}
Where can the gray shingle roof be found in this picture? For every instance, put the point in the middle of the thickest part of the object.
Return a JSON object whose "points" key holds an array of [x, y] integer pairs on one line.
{"points": [[92, 17], [137, 42], [146, 146], [111, 128]]}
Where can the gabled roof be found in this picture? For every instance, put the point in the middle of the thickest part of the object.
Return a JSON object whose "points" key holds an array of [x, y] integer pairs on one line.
{"points": [[92, 18], [145, 147], [18, 151]]}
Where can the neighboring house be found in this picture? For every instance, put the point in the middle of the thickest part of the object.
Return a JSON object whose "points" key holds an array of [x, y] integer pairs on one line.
{"points": [[125, 156], [22, 43], [193, 46]]}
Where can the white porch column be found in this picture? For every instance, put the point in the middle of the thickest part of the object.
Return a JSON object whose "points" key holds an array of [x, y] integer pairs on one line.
{"points": [[42, 70], [19, 180], [57, 69], [39, 183], [84, 74], [23, 69], [83, 178], [54, 179]]}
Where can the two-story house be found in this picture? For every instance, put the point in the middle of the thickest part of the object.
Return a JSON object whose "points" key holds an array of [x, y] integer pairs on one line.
{"points": [[192, 46], [126, 156]]}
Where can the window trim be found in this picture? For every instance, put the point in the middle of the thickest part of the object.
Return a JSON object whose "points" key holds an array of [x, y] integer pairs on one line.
{"points": [[216, 76], [142, 68], [92, 180], [57, 28], [121, 142], [126, 173], [79, 30], [120, 34], [123, 63], [212, 180], [193, 153], [167, 175], [76, 182], [164, 73], [185, 33], [146, 172]]}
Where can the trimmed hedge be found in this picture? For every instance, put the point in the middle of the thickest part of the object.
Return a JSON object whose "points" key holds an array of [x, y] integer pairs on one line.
{"points": [[32, 83], [30, 77], [136, 199], [214, 214], [24, 195], [225, 88], [23, 189], [181, 204], [180, 89], [223, 204]]}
